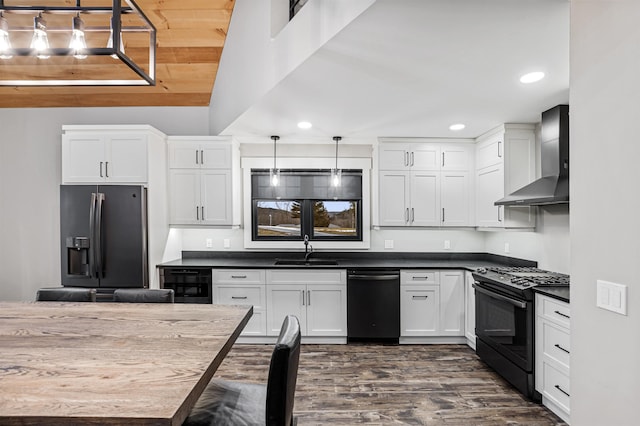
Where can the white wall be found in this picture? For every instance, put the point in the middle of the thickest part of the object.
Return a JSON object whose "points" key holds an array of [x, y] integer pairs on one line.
{"points": [[30, 176], [549, 245], [253, 61], [605, 201]]}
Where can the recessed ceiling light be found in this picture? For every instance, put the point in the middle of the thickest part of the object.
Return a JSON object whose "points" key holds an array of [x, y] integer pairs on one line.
{"points": [[456, 127], [532, 77], [304, 125]]}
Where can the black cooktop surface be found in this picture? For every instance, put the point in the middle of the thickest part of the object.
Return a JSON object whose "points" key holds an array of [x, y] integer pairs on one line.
{"points": [[520, 280]]}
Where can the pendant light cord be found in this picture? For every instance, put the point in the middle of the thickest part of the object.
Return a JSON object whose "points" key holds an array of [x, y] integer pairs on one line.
{"points": [[274, 138], [337, 138]]}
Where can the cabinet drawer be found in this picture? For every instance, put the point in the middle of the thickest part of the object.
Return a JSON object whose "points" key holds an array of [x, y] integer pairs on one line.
{"points": [[296, 276], [419, 277], [556, 386], [556, 343], [239, 276], [554, 310], [240, 295]]}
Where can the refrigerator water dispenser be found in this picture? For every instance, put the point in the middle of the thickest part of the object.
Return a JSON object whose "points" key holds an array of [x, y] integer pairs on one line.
{"points": [[78, 256]]}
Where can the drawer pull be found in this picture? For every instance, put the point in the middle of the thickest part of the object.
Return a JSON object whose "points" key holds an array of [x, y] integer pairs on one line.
{"points": [[561, 348], [238, 297], [561, 314], [415, 277], [562, 390], [238, 276], [420, 297]]}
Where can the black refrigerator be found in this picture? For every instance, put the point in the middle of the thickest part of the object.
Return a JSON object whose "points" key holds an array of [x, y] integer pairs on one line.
{"points": [[103, 236]]}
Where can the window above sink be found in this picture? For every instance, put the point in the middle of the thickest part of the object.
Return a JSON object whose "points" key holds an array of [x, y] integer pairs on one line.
{"points": [[333, 217]]}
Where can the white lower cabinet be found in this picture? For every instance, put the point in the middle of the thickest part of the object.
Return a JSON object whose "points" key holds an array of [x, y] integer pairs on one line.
{"points": [[553, 353], [432, 306], [243, 287], [470, 310], [317, 297]]}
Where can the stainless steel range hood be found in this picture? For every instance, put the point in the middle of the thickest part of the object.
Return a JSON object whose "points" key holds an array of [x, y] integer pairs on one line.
{"points": [[553, 186]]}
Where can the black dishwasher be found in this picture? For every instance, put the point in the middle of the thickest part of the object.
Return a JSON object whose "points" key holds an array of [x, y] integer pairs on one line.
{"points": [[373, 305]]}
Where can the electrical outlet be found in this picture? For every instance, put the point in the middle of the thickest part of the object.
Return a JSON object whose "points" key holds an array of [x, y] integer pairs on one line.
{"points": [[226, 243], [209, 242], [447, 244], [388, 244], [506, 247]]}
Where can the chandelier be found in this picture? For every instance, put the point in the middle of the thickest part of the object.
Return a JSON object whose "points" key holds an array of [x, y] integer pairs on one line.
{"points": [[102, 44]]}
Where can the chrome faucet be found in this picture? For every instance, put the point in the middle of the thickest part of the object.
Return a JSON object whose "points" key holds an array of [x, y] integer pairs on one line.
{"points": [[308, 249]]}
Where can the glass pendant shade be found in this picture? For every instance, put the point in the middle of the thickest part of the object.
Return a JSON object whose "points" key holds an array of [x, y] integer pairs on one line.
{"points": [[274, 173], [40, 41], [274, 177], [78, 43], [336, 173], [110, 42], [5, 42]]}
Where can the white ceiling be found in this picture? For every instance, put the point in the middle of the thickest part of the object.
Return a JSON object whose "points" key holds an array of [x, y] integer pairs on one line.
{"points": [[411, 68]]}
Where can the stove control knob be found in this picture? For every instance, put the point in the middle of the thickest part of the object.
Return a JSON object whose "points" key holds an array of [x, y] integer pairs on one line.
{"points": [[481, 270]]}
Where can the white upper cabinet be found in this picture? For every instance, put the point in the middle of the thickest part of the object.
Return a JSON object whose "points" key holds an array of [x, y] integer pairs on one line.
{"points": [[425, 184], [105, 156], [505, 162], [200, 180], [199, 153]]}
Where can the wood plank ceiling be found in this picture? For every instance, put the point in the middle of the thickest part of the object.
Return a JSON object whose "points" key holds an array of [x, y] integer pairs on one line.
{"points": [[189, 39]]}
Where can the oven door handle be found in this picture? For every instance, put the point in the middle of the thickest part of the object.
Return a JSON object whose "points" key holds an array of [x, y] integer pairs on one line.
{"points": [[515, 302]]}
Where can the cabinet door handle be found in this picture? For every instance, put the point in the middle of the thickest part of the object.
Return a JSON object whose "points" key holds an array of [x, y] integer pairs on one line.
{"points": [[406, 158], [443, 159], [499, 151], [562, 390], [562, 315], [561, 348], [197, 212], [201, 156], [101, 169], [239, 276], [412, 158], [413, 214], [499, 217], [443, 215], [106, 169], [406, 215], [419, 297], [302, 291], [202, 212], [239, 297], [197, 157], [308, 297]]}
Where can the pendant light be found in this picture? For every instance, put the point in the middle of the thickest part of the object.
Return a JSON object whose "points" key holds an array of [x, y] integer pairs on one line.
{"points": [[78, 43], [336, 174], [5, 43], [40, 41], [274, 173]]}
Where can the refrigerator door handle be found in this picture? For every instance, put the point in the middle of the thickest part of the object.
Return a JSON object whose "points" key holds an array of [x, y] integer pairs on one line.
{"points": [[98, 236], [92, 231]]}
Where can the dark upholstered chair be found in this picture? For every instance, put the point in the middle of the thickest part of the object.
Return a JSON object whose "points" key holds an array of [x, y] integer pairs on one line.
{"points": [[142, 295], [66, 294], [225, 403]]}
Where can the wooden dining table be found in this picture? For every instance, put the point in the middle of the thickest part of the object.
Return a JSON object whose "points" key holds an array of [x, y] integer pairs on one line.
{"points": [[110, 363]]}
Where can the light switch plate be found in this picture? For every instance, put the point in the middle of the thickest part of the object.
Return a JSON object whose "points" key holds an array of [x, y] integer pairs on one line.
{"points": [[506, 248], [388, 244], [209, 242], [226, 243], [611, 296], [447, 244]]}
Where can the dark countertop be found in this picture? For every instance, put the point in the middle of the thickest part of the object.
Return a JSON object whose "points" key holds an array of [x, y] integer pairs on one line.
{"points": [[346, 260], [560, 293]]}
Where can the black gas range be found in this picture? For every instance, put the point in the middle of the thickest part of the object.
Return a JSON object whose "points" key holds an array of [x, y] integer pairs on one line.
{"points": [[519, 281], [505, 317]]}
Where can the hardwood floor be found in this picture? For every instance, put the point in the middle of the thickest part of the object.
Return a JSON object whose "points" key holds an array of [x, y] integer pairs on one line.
{"points": [[388, 384]]}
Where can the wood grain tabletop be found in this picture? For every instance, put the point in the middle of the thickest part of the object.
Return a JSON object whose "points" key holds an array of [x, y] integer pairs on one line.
{"points": [[110, 363]]}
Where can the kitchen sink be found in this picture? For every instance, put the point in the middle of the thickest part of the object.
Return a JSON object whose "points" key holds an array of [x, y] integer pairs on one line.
{"points": [[308, 262]]}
